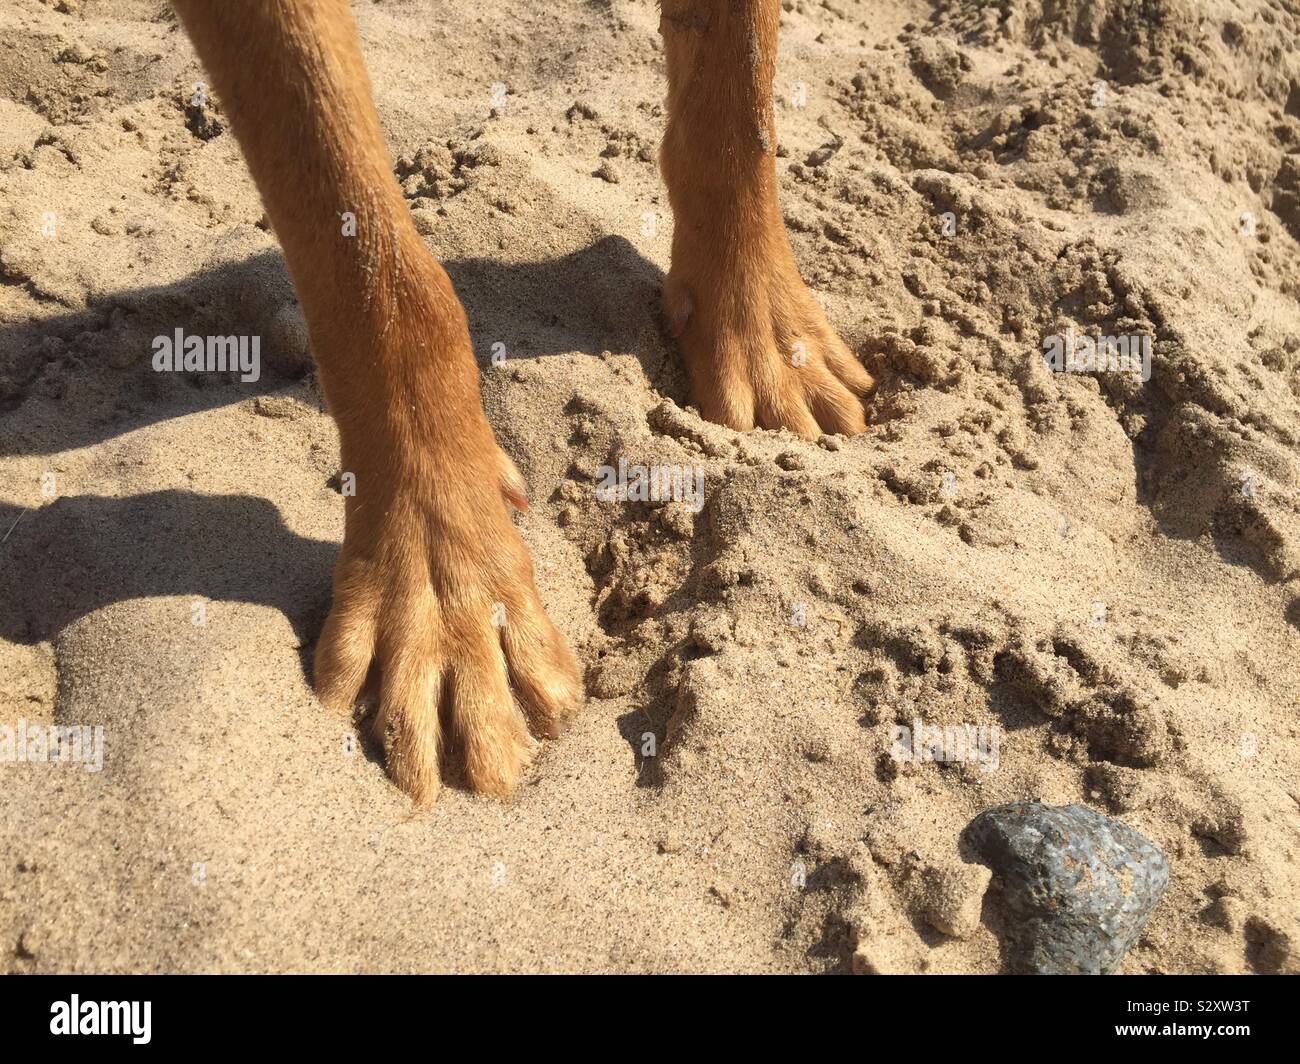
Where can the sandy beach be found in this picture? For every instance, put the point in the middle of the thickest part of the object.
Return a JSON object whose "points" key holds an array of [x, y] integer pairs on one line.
{"points": [[1100, 566]]}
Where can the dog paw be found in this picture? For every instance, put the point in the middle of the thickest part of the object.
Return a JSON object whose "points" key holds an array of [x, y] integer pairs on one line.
{"points": [[435, 587], [760, 352]]}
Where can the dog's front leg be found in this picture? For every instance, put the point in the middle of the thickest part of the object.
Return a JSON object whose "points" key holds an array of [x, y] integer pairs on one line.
{"points": [[756, 343], [433, 582]]}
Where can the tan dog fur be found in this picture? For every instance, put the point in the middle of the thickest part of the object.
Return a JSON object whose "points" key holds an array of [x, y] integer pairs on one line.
{"points": [[429, 549]]}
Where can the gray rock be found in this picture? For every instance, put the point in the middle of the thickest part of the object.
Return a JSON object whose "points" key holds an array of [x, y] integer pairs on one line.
{"points": [[1077, 887]]}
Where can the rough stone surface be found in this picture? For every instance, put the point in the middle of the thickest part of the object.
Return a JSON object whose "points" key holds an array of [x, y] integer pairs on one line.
{"points": [[1077, 886]]}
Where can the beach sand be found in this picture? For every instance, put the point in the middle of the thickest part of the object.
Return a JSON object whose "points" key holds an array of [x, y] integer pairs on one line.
{"points": [[1105, 569]]}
